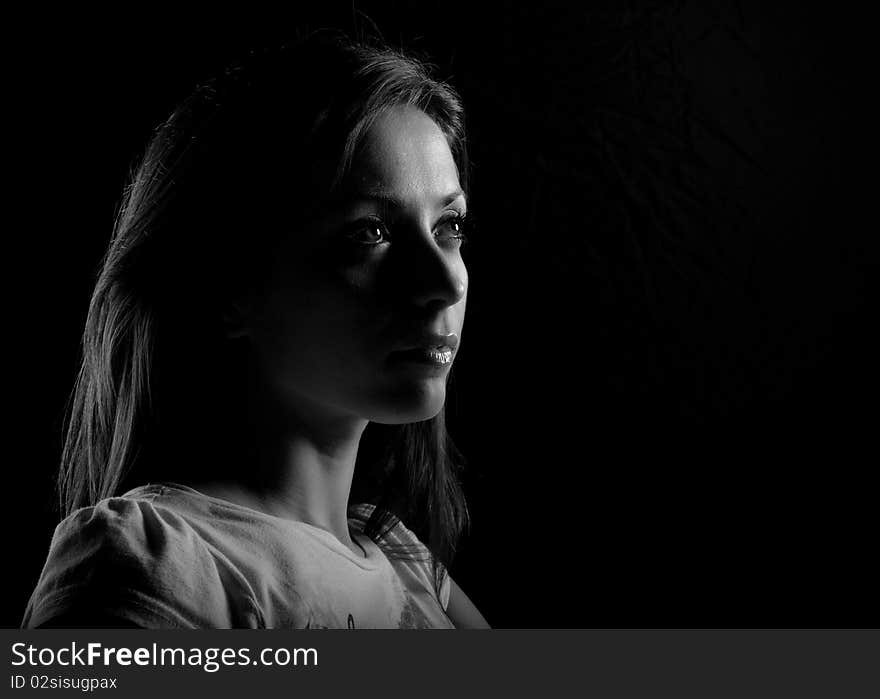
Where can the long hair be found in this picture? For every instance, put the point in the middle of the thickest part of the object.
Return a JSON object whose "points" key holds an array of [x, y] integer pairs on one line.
{"points": [[195, 227]]}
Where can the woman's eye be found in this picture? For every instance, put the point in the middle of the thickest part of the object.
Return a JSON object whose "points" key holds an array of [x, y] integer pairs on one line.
{"points": [[452, 228], [369, 233]]}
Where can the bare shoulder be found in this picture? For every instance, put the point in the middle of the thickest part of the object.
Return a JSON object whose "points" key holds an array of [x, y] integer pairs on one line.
{"points": [[461, 611]]}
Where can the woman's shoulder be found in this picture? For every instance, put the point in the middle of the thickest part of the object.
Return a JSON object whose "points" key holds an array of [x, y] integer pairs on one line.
{"points": [[130, 522], [128, 532], [131, 558]]}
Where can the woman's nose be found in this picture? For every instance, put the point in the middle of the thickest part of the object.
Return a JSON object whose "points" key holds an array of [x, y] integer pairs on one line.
{"points": [[433, 275]]}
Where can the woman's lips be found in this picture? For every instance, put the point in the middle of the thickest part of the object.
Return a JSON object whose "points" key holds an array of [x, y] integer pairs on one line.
{"points": [[426, 339], [432, 356], [425, 348]]}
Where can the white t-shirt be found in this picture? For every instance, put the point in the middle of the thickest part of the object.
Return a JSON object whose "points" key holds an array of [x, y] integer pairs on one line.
{"points": [[168, 556]]}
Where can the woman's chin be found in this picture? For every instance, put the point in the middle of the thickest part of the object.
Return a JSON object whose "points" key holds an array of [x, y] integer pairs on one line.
{"points": [[411, 403]]}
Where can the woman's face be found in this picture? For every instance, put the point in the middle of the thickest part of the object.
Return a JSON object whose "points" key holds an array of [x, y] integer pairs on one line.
{"points": [[360, 300]]}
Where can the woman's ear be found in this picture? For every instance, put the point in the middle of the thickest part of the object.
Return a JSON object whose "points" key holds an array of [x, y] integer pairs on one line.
{"points": [[236, 319]]}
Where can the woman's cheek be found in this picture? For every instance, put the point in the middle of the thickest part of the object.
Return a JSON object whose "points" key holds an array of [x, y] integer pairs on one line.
{"points": [[356, 279]]}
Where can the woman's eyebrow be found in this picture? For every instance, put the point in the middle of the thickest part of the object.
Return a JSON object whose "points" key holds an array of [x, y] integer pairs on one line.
{"points": [[393, 202]]}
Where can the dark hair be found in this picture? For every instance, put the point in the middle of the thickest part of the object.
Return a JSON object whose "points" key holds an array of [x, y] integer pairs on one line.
{"points": [[193, 230]]}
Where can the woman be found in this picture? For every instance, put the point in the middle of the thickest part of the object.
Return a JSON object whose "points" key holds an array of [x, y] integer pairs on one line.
{"points": [[260, 404]]}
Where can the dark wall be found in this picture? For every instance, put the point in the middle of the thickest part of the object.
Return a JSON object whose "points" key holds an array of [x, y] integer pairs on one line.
{"points": [[667, 386]]}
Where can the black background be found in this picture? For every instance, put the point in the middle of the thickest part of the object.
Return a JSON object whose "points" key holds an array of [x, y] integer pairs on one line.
{"points": [[667, 387]]}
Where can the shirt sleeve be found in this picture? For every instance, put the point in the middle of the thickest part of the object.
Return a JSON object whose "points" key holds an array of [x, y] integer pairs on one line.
{"points": [[130, 560], [412, 560], [445, 589], [406, 546]]}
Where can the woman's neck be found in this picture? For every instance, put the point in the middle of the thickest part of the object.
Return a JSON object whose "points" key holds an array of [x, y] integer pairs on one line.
{"points": [[293, 468]]}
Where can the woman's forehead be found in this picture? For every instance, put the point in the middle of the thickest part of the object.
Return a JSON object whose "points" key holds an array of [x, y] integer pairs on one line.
{"points": [[404, 155]]}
